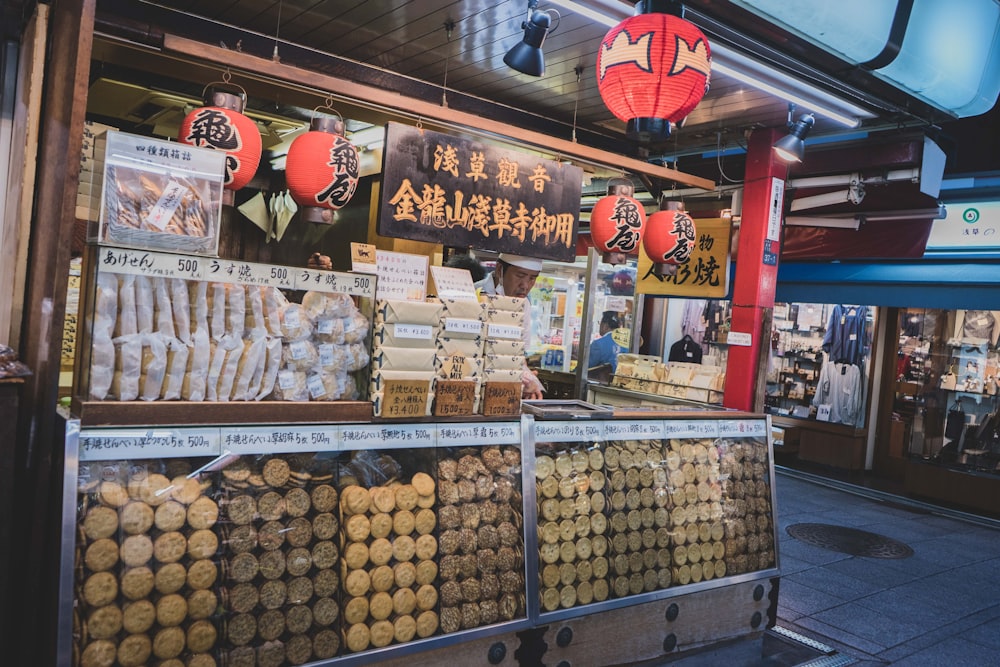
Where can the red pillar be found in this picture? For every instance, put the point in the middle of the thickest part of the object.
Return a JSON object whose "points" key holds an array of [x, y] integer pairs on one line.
{"points": [[756, 268]]}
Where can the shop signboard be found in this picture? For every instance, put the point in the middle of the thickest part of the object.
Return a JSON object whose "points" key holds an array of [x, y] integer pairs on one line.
{"points": [[971, 226], [704, 275], [464, 192]]}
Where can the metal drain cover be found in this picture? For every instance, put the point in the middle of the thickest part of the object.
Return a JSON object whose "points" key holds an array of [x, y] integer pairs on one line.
{"points": [[849, 540]]}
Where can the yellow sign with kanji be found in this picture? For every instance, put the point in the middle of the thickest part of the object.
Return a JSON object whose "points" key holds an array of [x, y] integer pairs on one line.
{"points": [[704, 275]]}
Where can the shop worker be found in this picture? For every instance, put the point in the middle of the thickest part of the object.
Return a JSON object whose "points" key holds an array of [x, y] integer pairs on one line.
{"points": [[605, 350], [515, 275]]}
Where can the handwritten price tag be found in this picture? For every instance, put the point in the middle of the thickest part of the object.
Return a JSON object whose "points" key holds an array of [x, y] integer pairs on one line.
{"points": [[566, 431], [280, 439], [457, 325], [691, 428], [487, 433], [152, 264], [402, 436], [110, 444], [637, 430], [418, 331], [335, 282], [743, 428], [250, 273], [505, 331]]}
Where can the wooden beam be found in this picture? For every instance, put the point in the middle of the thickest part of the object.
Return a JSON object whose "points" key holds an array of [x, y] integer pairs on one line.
{"points": [[410, 107]]}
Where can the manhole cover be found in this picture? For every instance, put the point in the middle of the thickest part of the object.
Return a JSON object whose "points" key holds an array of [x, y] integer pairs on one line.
{"points": [[849, 540]]}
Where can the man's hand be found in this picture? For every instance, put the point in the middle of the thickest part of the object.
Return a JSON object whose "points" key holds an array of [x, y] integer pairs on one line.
{"points": [[531, 387], [321, 262]]}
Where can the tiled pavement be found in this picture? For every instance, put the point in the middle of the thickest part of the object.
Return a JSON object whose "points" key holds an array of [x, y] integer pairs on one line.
{"points": [[940, 606]]}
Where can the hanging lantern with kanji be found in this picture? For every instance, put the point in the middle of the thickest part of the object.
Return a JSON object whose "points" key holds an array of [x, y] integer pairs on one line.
{"points": [[670, 237], [221, 125], [322, 169], [652, 70], [617, 221]]}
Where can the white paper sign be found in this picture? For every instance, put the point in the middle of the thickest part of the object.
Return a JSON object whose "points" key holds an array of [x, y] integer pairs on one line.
{"points": [[487, 433], [335, 282], [739, 338], [638, 430], [152, 264], [775, 208], [569, 431], [280, 439], [691, 428], [403, 436], [742, 428], [250, 273], [505, 331], [401, 275], [458, 325], [452, 283], [418, 331], [110, 444], [163, 210]]}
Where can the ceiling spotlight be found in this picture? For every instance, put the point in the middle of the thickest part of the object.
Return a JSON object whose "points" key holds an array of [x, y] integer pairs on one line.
{"points": [[526, 56], [792, 147]]}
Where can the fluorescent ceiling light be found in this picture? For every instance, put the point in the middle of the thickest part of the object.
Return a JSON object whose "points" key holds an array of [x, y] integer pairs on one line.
{"points": [[744, 69], [819, 221]]}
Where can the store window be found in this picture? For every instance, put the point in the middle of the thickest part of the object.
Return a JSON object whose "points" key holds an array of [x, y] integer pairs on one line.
{"points": [[819, 362]]}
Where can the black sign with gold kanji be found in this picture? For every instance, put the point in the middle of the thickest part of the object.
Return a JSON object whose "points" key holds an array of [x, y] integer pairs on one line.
{"points": [[464, 192]]}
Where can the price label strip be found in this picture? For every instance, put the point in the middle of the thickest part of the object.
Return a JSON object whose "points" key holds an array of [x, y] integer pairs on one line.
{"points": [[743, 428], [334, 281], [403, 436], [487, 433], [112, 444], [250, 273], [567, 431], [280, 439], [648, 429], [691, 428], [152, 264]]}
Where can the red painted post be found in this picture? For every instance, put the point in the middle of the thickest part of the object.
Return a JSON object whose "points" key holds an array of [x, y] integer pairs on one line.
{"points": [[756, 267]]}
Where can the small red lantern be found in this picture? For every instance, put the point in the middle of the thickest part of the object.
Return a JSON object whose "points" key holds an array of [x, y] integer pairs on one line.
{"points": [[221, 125], [617, 221], [322, 169], [670, 237], [653, 69]]}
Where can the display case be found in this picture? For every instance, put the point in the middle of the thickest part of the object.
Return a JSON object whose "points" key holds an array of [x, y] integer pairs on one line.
{"points": [[355, 543]]}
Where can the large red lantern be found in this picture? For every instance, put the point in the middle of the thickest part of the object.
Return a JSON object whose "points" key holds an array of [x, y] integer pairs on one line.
{"points": [[322, 169], [653, 69], [670, 238], [617, 221], [221, 125]]}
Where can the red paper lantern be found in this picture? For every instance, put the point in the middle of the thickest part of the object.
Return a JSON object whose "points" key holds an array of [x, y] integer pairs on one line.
{"points": [[617, 221], [670, 237], [322, 170], [653, 69], [221, 125]]}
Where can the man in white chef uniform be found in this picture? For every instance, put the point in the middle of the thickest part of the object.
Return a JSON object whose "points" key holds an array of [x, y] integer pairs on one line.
{"points": [[515, 275]]}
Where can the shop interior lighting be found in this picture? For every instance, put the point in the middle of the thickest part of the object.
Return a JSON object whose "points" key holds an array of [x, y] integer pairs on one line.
{"points": [[742, 68], [792, 146], [526, 56]]}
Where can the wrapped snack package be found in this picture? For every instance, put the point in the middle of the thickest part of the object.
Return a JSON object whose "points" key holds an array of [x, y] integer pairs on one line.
{"points": [[247, 367], [143, 286], [350, 392], [181, 308], [253, 388], [272, 363], [505, 347], [236, 310], [273, 301], [291, 386], [198, 293], [502, 375], [357, 357], [218, 360], [332, 357], [412, 312], [403, 359], [217, 310], [128, 367], [498, 302], [299, 355], [102, 354], [468, 310], [295, 323], [466, 347], [154, 367], [199, 358], [227, 377], [514, 318], [256, 324], [355, 328], [325, 386], [177, 359], [164, 308], [127, 322], [324, 305], [504, 362], [328, 330]]}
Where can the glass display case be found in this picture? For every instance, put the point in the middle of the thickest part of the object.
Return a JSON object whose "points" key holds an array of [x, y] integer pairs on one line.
{"points": [[288, 544]]}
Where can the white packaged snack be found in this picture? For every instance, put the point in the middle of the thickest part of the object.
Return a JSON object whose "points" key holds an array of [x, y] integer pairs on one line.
{"points": [[198, 293], [299, 355], [295, 322], [127, 323], [227, 377], [181, 308], [256, 324], [291, 386], [272, 365], [357, 357], [164, 308], [217, 310], [327, 305], [143, 286], [102, 353], [177, 359], [355, 328], [273, 300], [128, 367], [236, 310], [199, 358], [154, 367]]}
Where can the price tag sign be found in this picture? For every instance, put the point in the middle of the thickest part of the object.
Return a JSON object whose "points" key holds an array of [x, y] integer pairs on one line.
{"points": [[452, 283], [637, 430], [335, 282], [152, 264], [405, 398], [363, 258], [401, 275], [739, 338], [280, 439], [417, 331], [615, 303], [691, 428], [110, 444], [567, 431], [403, 436], [458, 325], [743, 428], [453, 398], [487, 433], [250, 273], [505, 331]]}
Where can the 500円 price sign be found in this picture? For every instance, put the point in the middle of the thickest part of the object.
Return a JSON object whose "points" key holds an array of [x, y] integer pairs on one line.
{"points": [[113, 444]]}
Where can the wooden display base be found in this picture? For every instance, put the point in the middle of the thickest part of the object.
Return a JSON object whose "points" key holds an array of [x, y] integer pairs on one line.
{"points": [[167, 413]]}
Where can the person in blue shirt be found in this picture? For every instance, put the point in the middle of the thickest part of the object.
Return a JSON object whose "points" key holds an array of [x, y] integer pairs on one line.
{"points": [[604, 350]]}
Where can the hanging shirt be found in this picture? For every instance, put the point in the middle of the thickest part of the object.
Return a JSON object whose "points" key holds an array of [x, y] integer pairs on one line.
{"points": [[687, 350], [840, 388], [844, 339]]}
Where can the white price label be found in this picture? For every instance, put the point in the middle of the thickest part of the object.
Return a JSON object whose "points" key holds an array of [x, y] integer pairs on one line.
{"points": [[691, 428], [152, 264], [335, 282], [326, 357], [250, 273], [742, 428], [637, 430], [739, 338], [298, 349], [402, 436], [317, 389], [506, 331], [488, 433], [159, 216], [324, 326], [280, 439], [459, 325], [566, 431], [418, 331], [109, 444]]}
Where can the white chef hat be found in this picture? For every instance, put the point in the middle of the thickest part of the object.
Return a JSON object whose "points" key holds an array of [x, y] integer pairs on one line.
{"points": [[522, 262]]}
